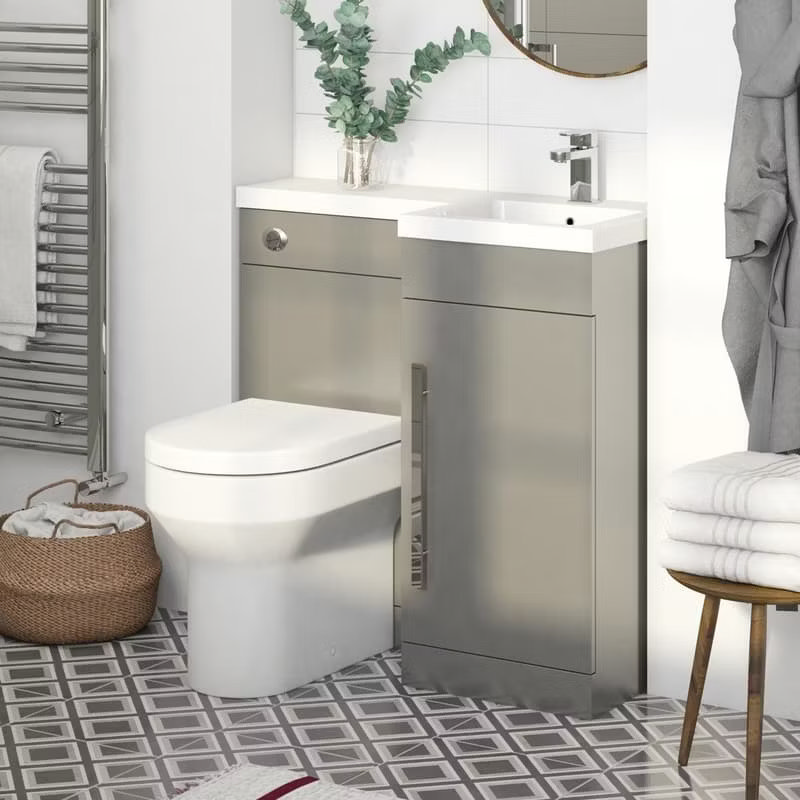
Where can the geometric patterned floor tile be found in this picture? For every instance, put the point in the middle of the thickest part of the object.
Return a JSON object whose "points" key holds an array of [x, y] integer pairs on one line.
{"points": [[52, 777], [554, 739], [588, 785], [703, 750], [772, 746], [135, 792], [718, 774], [424, 772], [652, 779], [526, 789], [283, 759], [118, 721], [565, 761], [619, 734], [731, 724], [789, 791], [781, 769], [476, 744], [407, 750], [439, 793]]}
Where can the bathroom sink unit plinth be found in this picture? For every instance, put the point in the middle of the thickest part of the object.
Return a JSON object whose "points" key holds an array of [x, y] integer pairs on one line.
{"points": [[523, 474]]}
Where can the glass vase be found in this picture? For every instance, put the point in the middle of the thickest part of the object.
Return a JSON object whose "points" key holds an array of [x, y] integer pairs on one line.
{"points": [[361, 163]]}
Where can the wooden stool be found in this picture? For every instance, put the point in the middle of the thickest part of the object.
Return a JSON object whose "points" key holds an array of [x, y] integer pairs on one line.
{"points": [[759, 597]]}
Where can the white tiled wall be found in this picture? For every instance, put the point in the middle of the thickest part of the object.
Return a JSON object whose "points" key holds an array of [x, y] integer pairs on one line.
{"points": [[486, 123]]}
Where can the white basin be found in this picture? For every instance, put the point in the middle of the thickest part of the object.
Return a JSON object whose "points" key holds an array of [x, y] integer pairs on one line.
{"points": [[542, 223]]}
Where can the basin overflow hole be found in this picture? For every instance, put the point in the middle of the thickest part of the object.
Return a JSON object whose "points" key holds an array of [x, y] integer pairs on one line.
{"points": [[570, 221]]}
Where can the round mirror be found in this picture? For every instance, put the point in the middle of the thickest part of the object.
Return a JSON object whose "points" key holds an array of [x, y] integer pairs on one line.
{"points": [[589, 38]]}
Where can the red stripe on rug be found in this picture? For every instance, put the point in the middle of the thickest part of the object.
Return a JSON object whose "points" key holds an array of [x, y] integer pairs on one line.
{"points": [[282, 791]]}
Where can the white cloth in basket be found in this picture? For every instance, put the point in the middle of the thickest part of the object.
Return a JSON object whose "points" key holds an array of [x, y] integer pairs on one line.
{"points": [[250, 782], [39, 521]]}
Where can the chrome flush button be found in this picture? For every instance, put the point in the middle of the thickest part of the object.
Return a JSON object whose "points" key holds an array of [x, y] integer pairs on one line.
{"points": [[276, 239]]}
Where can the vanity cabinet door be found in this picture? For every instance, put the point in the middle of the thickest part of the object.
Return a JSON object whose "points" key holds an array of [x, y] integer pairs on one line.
{"points": [[508, 494]]}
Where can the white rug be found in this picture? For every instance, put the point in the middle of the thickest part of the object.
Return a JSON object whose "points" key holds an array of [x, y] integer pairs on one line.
{"points": [[249, 782]]}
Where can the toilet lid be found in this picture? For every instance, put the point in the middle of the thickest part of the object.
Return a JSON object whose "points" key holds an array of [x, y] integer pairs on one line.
{"points": [[266, 437]]}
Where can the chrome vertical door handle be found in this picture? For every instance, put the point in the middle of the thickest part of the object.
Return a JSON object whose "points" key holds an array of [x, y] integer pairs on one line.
{"points": [[419, 446]]}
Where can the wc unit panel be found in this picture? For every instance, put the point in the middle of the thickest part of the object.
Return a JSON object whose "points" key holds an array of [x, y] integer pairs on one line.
{"points": [[237, 519], [325, 338], [321, 242], [258, 629]]}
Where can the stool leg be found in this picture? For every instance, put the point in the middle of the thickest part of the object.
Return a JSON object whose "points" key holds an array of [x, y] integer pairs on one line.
{"points": [[705, 638], [755, 697]]}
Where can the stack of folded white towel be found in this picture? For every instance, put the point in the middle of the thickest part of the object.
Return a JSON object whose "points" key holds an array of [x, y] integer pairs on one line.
{"points": [[736, 517], [40, 521]]}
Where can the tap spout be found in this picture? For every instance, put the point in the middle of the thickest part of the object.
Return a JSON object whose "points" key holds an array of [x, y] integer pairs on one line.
{"points": [[561, 156]]}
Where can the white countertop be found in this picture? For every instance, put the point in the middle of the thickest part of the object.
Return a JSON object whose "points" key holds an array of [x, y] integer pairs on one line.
{"points": [[313, 196], [461, 215]]}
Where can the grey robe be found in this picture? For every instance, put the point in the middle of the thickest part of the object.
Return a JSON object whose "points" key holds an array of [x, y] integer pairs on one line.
{"points": [[761, 323]]}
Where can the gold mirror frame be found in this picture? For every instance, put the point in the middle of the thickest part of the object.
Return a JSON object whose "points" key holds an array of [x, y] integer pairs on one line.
{"points": [[505, 31]]}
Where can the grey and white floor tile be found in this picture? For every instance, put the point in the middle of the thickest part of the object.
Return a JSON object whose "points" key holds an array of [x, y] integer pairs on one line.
{"points": [[117, 721]]}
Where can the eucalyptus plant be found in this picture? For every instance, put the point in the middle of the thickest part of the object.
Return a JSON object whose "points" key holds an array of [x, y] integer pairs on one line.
{"points": [[344, 57]]}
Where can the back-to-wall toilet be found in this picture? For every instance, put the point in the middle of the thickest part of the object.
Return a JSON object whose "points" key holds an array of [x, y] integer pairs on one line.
{"points": [[286, 514]]}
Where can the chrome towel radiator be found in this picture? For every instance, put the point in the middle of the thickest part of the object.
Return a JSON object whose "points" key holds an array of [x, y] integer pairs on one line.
{"points": [[54, 397]]}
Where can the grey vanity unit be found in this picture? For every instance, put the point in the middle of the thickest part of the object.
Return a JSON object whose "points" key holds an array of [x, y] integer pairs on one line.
{"points": [[521, 381], [523, 483]]}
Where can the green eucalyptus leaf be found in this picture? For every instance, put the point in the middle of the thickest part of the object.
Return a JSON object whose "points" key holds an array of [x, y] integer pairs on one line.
{"points": [[481, 42], [345, 10], [344, 56]]}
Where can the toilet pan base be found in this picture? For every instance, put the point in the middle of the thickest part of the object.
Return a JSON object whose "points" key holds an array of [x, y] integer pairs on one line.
{"points": [[263, 630]]}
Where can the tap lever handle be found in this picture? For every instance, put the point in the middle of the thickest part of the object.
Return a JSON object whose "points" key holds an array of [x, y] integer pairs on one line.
{"points": [[581, 140]]}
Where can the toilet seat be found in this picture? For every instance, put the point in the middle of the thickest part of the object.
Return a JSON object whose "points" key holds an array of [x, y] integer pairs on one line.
{"points": [[267, 437]]}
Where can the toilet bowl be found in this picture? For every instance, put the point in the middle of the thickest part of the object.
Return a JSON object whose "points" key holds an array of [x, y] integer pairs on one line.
{"points": [[286, 514]]}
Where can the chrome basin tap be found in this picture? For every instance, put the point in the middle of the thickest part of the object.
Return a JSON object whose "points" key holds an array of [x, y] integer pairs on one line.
{"points": [[581, 155]]}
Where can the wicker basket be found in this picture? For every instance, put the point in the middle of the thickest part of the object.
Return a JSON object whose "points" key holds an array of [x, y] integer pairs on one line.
{"points": [[88, 589]]}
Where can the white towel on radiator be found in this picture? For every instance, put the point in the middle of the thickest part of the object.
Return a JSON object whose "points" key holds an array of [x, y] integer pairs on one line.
{"points": [[758, 486], [727, 563], [22, 178], [735, 532]]}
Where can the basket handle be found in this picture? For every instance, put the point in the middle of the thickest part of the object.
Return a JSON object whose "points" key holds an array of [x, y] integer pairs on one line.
{"points": [[53, 485], [84, 525]]}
